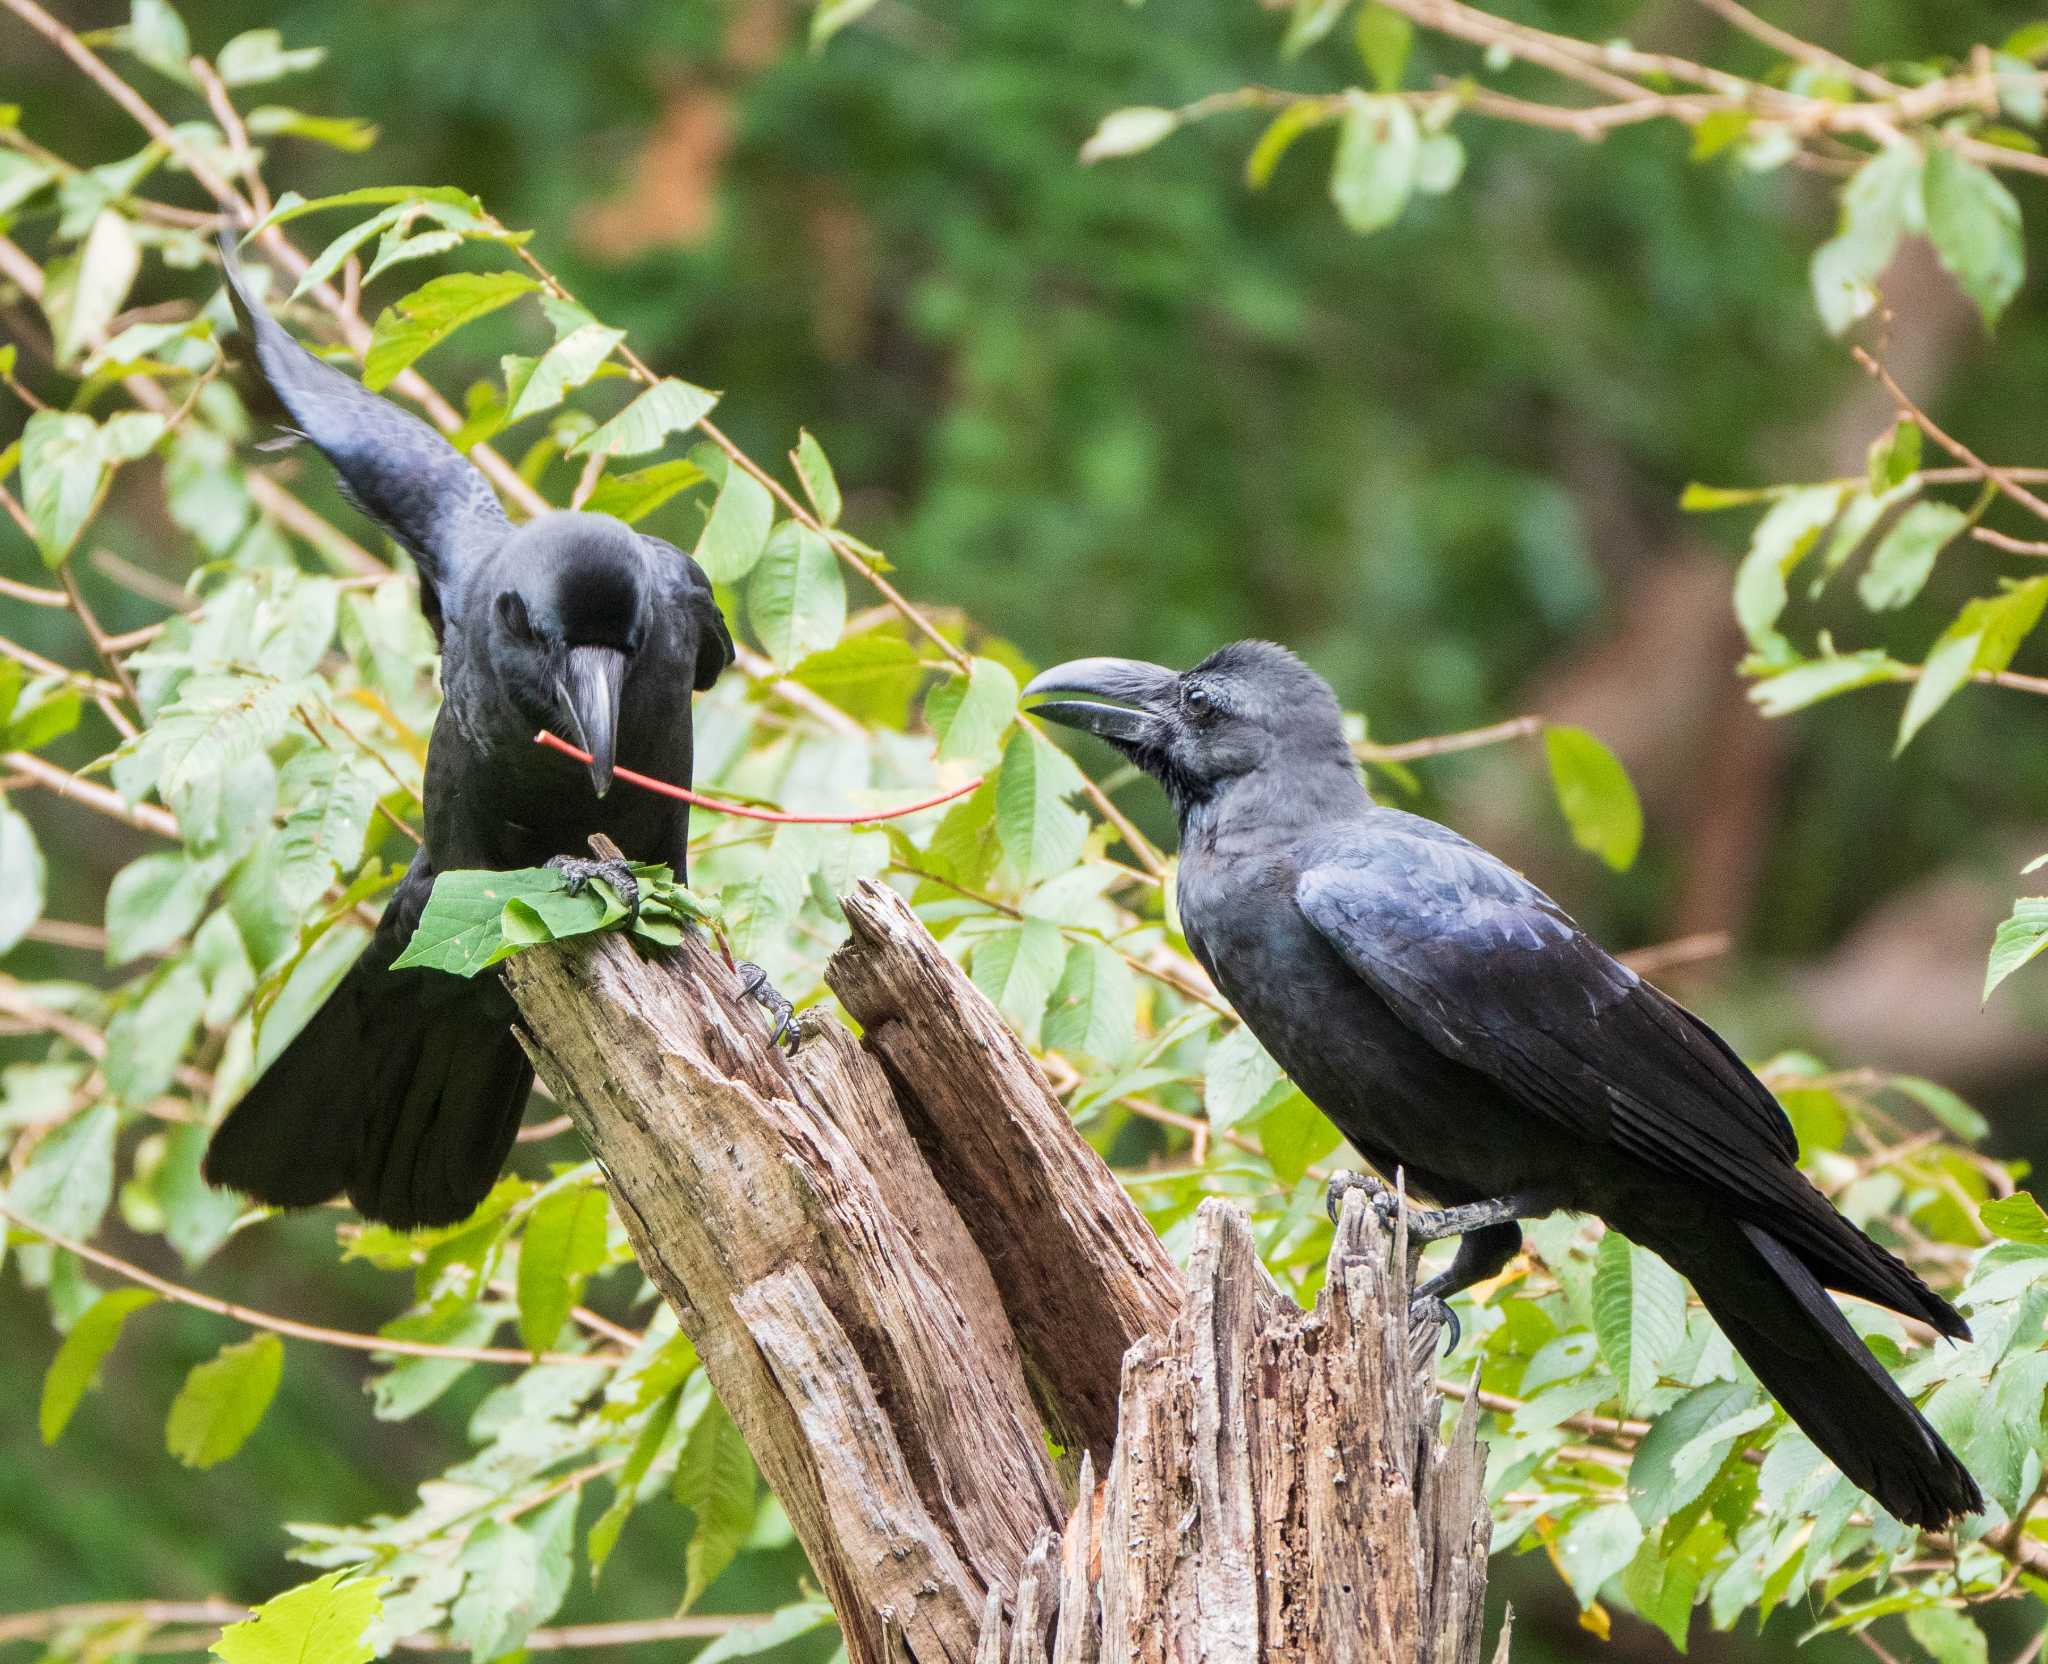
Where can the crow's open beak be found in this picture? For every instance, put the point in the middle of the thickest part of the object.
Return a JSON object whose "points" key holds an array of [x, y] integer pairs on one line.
{"points": [[588, 689], [1129, 699]]}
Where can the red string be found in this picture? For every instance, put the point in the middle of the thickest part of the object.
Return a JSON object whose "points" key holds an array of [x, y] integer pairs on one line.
{"points": [[667, 789]]}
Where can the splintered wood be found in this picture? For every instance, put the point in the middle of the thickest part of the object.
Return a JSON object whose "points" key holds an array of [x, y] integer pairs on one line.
{"points": [[903, 1268]]}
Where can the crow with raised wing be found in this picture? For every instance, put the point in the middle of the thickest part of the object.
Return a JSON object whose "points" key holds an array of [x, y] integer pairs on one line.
{"points": [[405, 1088], [1463, 1032]]}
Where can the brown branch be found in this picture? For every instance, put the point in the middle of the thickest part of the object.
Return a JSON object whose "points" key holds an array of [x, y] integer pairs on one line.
{"points": [[2003, 478], [33, 594], [1778, 40], [1471, 739], [2011, 545], [98, 636], [145, 817], [342, 1338]]}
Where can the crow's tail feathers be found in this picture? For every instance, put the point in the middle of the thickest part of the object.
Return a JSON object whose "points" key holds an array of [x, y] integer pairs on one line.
{"points": [[404, 1090], [1776, 1314]]}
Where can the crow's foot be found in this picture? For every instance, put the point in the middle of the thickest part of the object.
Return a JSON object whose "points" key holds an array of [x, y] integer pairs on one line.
{"points": [[1426, 1311], [1382, 1200], [755, 985], [579, 872]]}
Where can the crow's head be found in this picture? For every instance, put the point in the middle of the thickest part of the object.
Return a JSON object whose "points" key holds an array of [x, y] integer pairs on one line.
{"points": [[570, 611], [1246, 707]]}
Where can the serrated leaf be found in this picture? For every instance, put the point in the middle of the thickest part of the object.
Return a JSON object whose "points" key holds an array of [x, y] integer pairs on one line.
{"points": [[461, 929], [76, 1367], [23, 876], [669, 406], [1781, 540], [1242, 1082], [1018, 967], [513, 1581], [567, 365], [1094, 1009], [148, 1036], [870, 675], [1818, 679], [564, 1242], [737, 532], [631, 497], [814, 469], [422, 320], [327, 1621], [1879, 205], [1950, 1636], [2016, 1218], [1595, 794], [2018, 941], [1040, 834], [1673, 1465], [796, 596], [1127, 132], [69, 1180], [1373, 174], [1905, 555], [61, 470], [654, 1431], [1985, 635], [1974, 223], [970, 714], [1597, 1544], [715, 1481], [223, 1401], [1638, 1314]]}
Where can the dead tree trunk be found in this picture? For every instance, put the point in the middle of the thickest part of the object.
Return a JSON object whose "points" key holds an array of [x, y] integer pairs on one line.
{"points": [[902, 1268]]}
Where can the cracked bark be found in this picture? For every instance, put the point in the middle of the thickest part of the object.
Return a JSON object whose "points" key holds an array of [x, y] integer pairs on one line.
{"points": [[903, 1269]]}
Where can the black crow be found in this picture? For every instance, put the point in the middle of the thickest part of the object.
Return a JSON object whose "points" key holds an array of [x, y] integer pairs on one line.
{"points": [[405, 1089], [1462, 1031]]}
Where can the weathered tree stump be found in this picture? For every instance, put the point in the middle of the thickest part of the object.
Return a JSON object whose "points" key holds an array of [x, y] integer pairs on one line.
{"points": [[902, 1267]]}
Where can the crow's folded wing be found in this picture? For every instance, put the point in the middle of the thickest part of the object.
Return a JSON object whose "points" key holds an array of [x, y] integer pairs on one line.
{"points": [[1494, 975], [694, 609], [392, 466]]}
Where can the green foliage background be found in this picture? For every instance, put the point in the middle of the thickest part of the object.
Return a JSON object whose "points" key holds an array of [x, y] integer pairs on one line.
{"points": [[1134, 408]]}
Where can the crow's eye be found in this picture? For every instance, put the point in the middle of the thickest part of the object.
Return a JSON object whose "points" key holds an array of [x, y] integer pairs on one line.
{"points": [[1198, 700]]}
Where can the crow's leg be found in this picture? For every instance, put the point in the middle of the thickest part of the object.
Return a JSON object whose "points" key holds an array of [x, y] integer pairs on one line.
{"points": [[755, 985], [1489, 1237], [617, 874]]}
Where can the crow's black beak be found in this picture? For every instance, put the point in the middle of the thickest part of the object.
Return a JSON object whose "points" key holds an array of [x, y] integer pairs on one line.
{"points": [[588, 689], [1143, 694]]}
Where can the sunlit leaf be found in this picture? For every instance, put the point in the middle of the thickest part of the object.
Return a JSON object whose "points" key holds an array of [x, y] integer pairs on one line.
{"points": [[422, 320], [223, 1401], [1974, 223], [796, 596], [1594, 792], [76, 1367], [563, 1243], [1126, 132], [1373, 175], [669, 406], [715, 1481]]}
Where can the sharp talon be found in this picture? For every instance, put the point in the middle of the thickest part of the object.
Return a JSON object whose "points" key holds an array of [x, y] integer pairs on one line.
{"points": [[1426, 1309], [755, 985], [578, 873]]}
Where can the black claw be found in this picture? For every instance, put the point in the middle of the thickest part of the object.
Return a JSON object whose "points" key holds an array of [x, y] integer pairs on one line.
{"points": [[1427, 1308], [579, 872], [755, 985]]}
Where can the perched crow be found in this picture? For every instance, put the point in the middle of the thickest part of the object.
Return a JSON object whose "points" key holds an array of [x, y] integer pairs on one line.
{"points": [[406, 1087], [1461, 1030]]}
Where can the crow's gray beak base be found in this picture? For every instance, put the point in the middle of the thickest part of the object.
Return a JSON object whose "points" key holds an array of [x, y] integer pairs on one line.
{"points": [[589, 693], [1143, 693]]}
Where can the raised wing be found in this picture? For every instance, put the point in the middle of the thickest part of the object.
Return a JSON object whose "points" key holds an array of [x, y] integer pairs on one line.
{"points": [[1493, 974], [392, 466]]}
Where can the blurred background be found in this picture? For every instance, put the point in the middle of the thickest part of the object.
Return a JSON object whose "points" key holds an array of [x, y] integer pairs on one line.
{"points": [[1136, 408]]}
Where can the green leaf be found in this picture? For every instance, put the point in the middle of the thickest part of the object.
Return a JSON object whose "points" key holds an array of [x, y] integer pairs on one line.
{"points": [[1905, 555], [1716, 131], [1950, 1636], [1638, 1314], [1127, 132], [1385, 38], [61, 470], [157, 36], [632, 497], [654, 1431], [1818, 679], [501, 1569], [568, 364], [69, 1180], [1295, 1135], [970, 714], [76, 1367], [1040, 834], [1242, 1082], [349, 133], [1594, 792], [260, 55], [1310, 22], [737, 532], [425, 318], [461, 929], [1974, 224], [326, 1621], [669, 406], [1597, 1544], [2016, 1218], [108, 264], [148, 1035], [1018, 968], [1895, 455], [223, 1400], [564, 1242], [815, 471], [413, 1383], [20, 178], [796, 597], [1879, 205], [870, 675], [751, 1640], [1374, 171], [2019, 940], [1984, 636], [1781, 540], [715, 1480], [23, 877], [1678, 1457], [1945, 1106], [1280, 133], [833, 15], [1094, 1009]]}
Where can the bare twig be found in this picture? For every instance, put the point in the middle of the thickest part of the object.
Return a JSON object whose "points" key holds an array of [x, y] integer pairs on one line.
{"points": [[145, 817]]}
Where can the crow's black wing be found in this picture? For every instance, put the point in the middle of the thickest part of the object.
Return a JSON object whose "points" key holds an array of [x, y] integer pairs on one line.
{"points": [[392, 466], [1493, 974], [689, 590]]}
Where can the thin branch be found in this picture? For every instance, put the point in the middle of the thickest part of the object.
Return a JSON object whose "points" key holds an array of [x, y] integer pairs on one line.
{"points": [[1804, 51], [145, 817], [1439, 745], [2011, 545], [33, 594], [2003, 478], [1685, 950], [96, 635]]}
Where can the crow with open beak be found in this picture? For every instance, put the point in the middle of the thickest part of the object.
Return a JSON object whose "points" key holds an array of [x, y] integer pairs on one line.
{"points": [[1463, 1032], [405, 1089]]}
